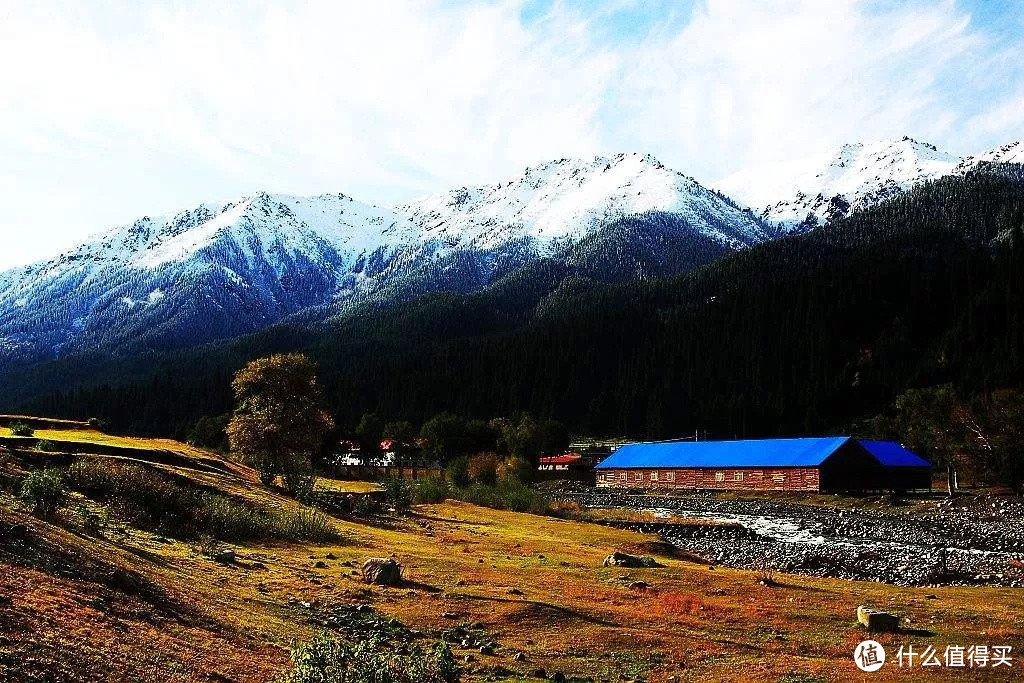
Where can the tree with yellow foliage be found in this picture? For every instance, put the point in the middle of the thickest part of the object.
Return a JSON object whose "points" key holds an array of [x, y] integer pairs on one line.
{"points": [[280, 419]]}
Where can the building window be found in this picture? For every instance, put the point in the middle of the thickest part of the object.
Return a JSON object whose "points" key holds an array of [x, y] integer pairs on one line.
{"points": [[719, 476], [638, 476], [622, 476], [654, 475], [738, 476], [670, 476], [778, 477]]}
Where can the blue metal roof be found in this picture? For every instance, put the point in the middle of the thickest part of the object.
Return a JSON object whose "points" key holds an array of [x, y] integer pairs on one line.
{"points": [[804, 452], [892, 454]]}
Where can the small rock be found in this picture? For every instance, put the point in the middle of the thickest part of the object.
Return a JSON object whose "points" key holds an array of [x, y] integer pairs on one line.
{"points": [[320, 565], [620, 559], [224, 556], [382, 571], [514, 591], [876, 621], [449, 615], [558, 677], [540, 673], [330, 556], [487, 649], [639, 585], [519, 657]]}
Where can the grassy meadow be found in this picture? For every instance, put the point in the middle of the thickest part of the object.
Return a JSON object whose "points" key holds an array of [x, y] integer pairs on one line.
{"points": [[131, 599]]}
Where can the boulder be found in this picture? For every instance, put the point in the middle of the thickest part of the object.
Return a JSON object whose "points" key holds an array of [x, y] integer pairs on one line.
{"points": [[877, 622], [620, 559], [382, 571], [224, 556]]}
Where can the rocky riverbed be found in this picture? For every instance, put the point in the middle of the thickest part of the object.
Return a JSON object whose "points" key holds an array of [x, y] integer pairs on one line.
{"points": [[965, 540]]}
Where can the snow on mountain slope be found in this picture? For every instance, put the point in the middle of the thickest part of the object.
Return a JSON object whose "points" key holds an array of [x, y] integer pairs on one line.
{"points": [[221, 270], [564, 200], [212, 271], [856, 177], [1011, 153]]}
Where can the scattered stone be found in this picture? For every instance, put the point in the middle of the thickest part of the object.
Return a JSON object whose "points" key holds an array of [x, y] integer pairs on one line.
{"points": [[515, 591], [558, 677], [540, 673], [519, 657], [487, 649], [330, 556], [382, 571], [620, 559], [449, 615], [320, 565], [224, 556], [639, 585], [877, 622], [931, 596]]}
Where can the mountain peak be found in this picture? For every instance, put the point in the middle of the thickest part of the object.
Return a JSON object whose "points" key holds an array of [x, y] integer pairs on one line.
{"points": [[859, 174]]}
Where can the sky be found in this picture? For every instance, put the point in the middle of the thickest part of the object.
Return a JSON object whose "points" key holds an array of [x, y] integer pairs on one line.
{"points": [[110, 111]]}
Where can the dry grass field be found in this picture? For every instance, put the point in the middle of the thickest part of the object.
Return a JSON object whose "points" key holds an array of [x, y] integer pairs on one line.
{"points": [[130, 605]]}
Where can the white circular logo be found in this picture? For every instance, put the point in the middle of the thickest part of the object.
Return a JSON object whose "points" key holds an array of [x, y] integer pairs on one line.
{"points": [[869, 655]]}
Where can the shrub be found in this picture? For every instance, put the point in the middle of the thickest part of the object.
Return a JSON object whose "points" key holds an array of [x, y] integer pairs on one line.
{"points": [[300, 483], [431, 490], [328, 658], [97, 424], [44, 490], [398, 492], [365, 506], [509, 493], [307, 524], [483, 468], [93, 523], [21, 429], [47, 446], [519, 497], [513, 467], [458, 472], [151, 500]]}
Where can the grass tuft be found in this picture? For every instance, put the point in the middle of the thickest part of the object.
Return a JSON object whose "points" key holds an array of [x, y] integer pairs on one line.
{"points": [[148, 499]]}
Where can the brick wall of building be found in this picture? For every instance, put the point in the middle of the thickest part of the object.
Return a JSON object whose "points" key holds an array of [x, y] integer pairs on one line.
{"points": [[748, 478]]}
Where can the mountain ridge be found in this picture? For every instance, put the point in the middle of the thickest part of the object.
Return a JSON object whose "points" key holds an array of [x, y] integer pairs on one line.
{"points": [[227, 268]]}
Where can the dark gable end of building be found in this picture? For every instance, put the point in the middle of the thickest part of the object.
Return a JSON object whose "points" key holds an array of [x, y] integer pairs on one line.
{"points": [[802, 464]]}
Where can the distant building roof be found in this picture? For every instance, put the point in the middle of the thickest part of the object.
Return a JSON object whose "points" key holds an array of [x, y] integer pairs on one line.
{"points": [[801, 452], [892, 454], [563, 459]]}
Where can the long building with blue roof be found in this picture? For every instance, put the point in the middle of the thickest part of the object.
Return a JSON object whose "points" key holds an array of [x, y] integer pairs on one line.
{"points": [[835, 463]]}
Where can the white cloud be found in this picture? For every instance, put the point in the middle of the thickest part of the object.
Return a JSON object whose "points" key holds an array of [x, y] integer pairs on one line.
{"points": [[117, 110]]}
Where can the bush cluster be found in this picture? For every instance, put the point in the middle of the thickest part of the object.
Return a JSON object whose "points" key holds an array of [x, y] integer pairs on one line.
{"points": [[44, 490], [151, 500], [21, 429], [328, 658], [506, 493], [431, 490]]}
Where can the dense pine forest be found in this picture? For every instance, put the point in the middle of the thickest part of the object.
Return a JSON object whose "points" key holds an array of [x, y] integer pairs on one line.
{"points": [[811, 333]]}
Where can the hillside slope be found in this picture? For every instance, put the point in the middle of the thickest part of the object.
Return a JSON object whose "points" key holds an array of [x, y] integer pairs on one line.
{"points": [[122, 602]]}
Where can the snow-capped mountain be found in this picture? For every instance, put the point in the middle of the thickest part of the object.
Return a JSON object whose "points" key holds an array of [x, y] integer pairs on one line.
{"points": [[857, 176], [220, 270], [562, 201], [1011, 153]]}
